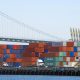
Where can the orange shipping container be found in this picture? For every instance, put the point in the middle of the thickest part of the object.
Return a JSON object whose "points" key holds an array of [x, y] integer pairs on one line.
{"points": [[70, 44], [41, 44], [10, 60], [8, 51], [64, 48], [75, 54], [69, 49], [39, 49], [18, 60], [12, 55]]}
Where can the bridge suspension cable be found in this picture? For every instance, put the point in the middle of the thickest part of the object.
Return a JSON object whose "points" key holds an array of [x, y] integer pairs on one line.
{"points": [[29, 27]]}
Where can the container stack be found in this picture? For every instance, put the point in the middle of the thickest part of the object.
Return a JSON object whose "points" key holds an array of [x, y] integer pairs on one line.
{"points": [[56, 54]]}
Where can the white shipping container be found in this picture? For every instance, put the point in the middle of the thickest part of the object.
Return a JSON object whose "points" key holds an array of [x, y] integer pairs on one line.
{"points": [[67, 58], [75, 43], [77, 59], [64, 43], [72, 64]]}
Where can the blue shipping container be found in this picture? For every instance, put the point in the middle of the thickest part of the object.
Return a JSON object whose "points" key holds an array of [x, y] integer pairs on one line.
{"points": [[46, 50], [71, 54], [14, 51], [10, 46], [75, 49], [19, 55], [17, 64], [36, 54], [4, 51], [6, 56]]}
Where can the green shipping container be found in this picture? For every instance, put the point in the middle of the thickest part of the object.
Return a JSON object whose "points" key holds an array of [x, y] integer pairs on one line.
{"points": [[62, 53], [52, 64], [60, 58], [64, 63], [78, 43]]}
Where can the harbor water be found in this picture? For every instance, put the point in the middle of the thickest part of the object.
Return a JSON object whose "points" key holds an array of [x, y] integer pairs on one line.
{"points": [[37, 77]]}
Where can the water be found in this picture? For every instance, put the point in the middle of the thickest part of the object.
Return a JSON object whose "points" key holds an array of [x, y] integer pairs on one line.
{"points": [[27, 77]]}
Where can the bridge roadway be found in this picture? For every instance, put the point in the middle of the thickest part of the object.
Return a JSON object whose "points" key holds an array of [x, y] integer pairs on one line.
{"points": [[22, 40]]}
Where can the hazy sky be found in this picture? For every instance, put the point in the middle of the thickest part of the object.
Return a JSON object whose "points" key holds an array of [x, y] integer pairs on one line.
{"points": [[51, 16]]}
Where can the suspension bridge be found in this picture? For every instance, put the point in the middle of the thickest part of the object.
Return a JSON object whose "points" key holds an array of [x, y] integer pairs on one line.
{"points": [[13, 30]]}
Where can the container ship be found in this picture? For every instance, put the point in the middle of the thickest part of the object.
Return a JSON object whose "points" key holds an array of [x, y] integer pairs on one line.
{"points": [[40, 57]]}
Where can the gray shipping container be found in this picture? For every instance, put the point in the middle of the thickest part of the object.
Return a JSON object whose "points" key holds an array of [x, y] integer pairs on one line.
{"points": [[57, 43]]}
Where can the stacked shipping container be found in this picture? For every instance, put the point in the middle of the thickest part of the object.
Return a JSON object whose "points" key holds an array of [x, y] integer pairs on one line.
{"points": [[58, 54]]}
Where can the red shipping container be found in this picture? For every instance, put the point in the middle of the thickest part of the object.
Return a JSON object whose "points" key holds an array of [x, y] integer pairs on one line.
{"points": [[61, 49], [43, 55], [16, 46], [64, 58], [25, 64], [53, 49], [8, 51], [47, 55], [70, 44], [33, 54], [56, 54], [3, 46], [1, 55], [28, 55], [67, 54], [29, 50], [61, 64], [30, 59], [47, 46], [1, 51], [72, 59]]}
